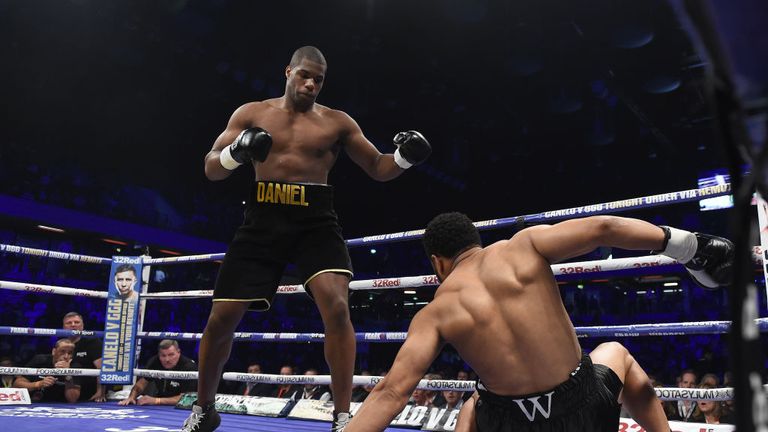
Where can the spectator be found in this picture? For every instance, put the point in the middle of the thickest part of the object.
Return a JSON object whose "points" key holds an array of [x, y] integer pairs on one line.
{"points": [[453, 400], [286, 391], [710, 380], [685, 409], [252, 388], [50, 388], [88, 354], [7, 380], [169, 390], [315, 391], [710, 412], [463, 375], [424, 397]]}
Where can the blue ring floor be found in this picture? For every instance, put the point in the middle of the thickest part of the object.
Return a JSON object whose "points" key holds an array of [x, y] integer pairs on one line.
{"points": [[110, 417]]}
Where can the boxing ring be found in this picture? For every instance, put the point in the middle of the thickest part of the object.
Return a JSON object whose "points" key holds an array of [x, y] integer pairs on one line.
{"points": [[113, 418]]}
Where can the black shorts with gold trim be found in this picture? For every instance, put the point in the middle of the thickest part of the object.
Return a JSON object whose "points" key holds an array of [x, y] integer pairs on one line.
{"points": [[284, 223]]}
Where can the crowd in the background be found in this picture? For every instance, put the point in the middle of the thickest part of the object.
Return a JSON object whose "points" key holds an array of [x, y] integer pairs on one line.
{"points": [[25, 174], [80, 352], [387, 310]]}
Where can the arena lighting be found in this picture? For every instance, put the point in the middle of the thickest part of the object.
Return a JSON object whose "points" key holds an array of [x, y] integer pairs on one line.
{"points": [[48, 228], [117, 242], [373, 251], [714, 178], [670, 284], [169, 252], [409, 292]]}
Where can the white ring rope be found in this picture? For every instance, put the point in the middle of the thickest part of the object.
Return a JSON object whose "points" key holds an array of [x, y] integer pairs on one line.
{"points": [[49, 289], [664, 393], [48, 371], [584, 267], [664, 199]]}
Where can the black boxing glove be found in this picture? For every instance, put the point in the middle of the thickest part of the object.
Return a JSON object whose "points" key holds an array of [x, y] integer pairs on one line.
{"points": [[252, 144], [708, 258], [412, 149]]}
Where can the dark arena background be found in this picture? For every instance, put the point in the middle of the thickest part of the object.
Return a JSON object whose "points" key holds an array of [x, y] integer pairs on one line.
{"points": [[109, 107]]}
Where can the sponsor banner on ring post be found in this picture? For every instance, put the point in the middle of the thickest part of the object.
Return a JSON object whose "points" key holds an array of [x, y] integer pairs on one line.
{"points": [[121, 321]]}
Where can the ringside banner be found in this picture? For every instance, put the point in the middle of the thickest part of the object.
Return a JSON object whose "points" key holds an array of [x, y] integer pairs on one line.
{"points": [[235, 404], [14, 396], [121, 321]]}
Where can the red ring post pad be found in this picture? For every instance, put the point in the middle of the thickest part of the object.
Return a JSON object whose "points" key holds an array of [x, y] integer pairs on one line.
{"points": [[121, 320]]}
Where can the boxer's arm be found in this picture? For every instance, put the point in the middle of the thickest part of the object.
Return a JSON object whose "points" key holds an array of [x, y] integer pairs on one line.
{"points": [[390, 395], [577, 237], [241, 119], [466, 420], [381, 167]]}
